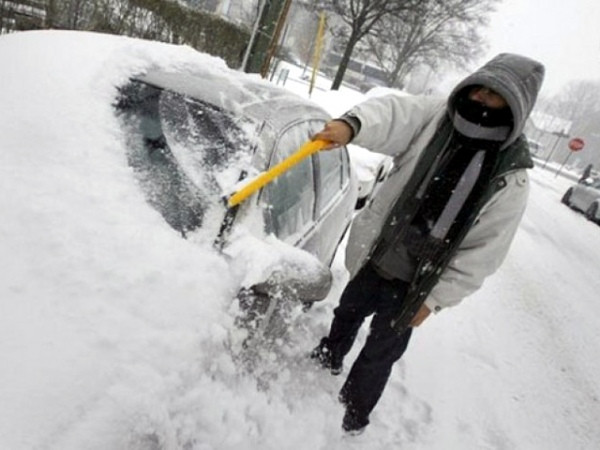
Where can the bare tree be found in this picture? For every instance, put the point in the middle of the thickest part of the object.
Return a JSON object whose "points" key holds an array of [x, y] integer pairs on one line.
{"points": [[5, 17], [438, 32], [50, 13], [21, 15], [577, 101], [359, 17]]}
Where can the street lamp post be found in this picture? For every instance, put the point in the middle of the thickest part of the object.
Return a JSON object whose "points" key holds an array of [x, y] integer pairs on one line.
{"points": [[253, 35]]}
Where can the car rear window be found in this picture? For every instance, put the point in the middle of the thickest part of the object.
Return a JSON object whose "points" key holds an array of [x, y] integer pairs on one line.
{"points": [[180, 149]]}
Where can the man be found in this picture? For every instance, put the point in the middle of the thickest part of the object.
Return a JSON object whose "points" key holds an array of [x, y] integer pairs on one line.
{"points": [[442, 221], [587, 172]]}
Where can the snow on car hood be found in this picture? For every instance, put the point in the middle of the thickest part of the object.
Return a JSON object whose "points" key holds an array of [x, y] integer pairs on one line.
{"points": [[111, 324]]}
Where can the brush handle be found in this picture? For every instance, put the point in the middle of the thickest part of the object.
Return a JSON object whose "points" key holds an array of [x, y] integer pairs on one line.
{"points": [[266, 177]]}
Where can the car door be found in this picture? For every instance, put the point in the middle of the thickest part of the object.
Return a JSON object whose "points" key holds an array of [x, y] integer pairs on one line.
{"points": [[334, 204], [290, 199], [310, 205]]}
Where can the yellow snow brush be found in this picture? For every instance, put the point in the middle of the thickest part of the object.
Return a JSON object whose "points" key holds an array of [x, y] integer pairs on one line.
{"points": [[266, 177], [234, 200]]}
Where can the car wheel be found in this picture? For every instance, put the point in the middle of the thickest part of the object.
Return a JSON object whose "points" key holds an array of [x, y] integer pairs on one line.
{"points": [[566, 199], [590, 213]]}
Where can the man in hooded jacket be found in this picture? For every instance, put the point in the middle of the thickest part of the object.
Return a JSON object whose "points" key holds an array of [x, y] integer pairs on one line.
{"points": [[442, 221]]}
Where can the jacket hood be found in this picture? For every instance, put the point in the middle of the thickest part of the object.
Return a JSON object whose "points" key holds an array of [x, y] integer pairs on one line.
{"points": [[517, 78]]}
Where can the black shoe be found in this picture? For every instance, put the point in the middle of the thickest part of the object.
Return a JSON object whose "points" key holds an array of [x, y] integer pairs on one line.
{"points": [[353, 423], [326, 358]]}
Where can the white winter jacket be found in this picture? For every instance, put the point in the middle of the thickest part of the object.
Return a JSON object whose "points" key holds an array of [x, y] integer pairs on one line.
{"points": [[402, 127], [410, 122]]}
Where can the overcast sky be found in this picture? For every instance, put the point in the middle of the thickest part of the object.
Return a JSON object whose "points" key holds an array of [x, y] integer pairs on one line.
{"points": [[564, 35]]}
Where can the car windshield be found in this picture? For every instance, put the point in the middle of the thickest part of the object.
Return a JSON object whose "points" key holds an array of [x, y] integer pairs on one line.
{"points": [[185, 152]]}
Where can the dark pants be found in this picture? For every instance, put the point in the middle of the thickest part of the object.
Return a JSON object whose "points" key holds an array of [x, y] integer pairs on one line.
{"points": [[368, 293]]}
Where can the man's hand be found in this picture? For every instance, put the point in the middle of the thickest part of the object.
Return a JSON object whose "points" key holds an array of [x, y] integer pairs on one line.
{"points": [[420, 317], [337, 132]]}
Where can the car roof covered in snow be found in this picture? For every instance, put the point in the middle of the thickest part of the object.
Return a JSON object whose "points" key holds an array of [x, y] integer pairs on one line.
{"points": [[241, 95]]}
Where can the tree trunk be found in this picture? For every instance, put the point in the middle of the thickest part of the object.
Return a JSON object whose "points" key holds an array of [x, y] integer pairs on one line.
{"points": [[339, 76], [50, 13]]}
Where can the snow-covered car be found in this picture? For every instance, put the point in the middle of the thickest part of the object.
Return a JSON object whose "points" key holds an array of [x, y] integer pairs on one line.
{"points": [[115, 156], [193, 135], [189, 133], [585, 196]]}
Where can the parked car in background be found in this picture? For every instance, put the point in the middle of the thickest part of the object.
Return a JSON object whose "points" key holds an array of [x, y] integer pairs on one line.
{"points": [[585, 197], [371, 170]]}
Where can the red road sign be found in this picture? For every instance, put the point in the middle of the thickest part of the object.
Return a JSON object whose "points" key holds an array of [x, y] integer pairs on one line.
{"points": [[576, 144]]}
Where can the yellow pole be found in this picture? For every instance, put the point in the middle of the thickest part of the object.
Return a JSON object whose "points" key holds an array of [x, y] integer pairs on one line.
{"points": [[317, 53], [306, 150]]}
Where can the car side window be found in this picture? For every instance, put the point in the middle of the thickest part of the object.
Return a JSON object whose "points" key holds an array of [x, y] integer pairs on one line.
{"points": [[330, 176], [290, 198]]}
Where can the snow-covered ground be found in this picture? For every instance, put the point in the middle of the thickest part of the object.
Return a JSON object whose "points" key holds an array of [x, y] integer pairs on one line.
{"points": [[115, 333]]}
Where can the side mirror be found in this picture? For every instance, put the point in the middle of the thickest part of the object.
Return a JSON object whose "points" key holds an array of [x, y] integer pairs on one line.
{"points": [[276, 277], [272, 267], [292, 281]]}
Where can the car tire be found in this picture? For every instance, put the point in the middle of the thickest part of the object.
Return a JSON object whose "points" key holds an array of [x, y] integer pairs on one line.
{"points": [[566, 199], [591, 212]]}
